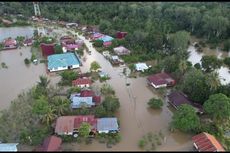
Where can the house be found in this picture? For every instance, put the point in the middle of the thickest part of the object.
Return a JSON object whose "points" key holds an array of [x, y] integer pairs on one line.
{"points": [[10, 44], [28, 42], [71, 25], [58, 62], [141, 67], [177, 98], [107, 125], [121, 50], [69, 125], [106, 38], [82, 82], [79, 102], [205, 142], [47, 49], [120, 35], [52, 143], [107, 44], [90, 93], [96, 36], [8, 147], [160, 80]]}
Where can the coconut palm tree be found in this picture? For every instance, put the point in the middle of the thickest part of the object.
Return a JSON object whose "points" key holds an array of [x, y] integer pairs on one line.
{"points": [[213, 80], [183, 66], [44, 82], [61, 106], [49, 116]]}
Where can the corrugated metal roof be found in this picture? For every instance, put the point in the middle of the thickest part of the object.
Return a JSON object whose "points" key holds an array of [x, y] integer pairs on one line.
{"points": [[77, 102], [106, 38], [8, 147], [104, 124], [207, 142], [62, 60]]}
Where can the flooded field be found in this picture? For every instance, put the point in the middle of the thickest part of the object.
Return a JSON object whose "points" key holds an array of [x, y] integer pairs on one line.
{"points": [[13, 32], [135, 117], [18, 77], [195, 57]]}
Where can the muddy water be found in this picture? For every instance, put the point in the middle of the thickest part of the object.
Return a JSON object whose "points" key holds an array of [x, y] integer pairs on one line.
{"points": [[18, 76], [135, 118], [195, 57], [16, 31]]}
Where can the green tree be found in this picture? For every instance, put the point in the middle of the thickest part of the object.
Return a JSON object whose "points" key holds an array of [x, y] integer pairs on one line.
{"points": [[41, 105], [185, 119], [49, 115], [196, 86], [58, 49], [111, 104], [213, 80], [218, 107], [227, 61], [183, 66], [94, 66], [210, 63], [100, 111], [98, 43], [44, 82], [155, 103], [197, 66], [227, 45], [106, 89], [27, 61], [84, 129]]}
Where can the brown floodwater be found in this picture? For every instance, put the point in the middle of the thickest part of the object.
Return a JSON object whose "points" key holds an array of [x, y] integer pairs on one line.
{"points": [[18, 77], [195, 57], [136, 119]]}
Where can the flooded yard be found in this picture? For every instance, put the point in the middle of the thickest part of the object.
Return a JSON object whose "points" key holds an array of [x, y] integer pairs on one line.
{"points": [[13, 32], [195, 57], [135, 117], [18, 77]]}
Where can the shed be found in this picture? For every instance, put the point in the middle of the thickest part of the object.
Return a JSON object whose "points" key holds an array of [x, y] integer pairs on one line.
{"points": [[47, 49], [52, 143]]}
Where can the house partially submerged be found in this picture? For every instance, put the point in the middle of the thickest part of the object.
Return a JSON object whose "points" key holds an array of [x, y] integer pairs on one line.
{"points": [[107, 125], [47, 49], [115, 60], [52, 143], [121, 35], [71, 25], [58, 62], [177, 98], [70, 43], [8, 147], [141, 67], [106, 38], [121, 50], [160, 80], [82, 82], [205, 142], [9, 43], [69, 125]]}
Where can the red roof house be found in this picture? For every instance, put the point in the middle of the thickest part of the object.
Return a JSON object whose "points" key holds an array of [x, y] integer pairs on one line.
{"points": [[47, 49], [120, 35], [107, 44], [87, 93], [67, 125], [161, 80], [10, 43], [82, 82], [205, 142], [52, 143]]}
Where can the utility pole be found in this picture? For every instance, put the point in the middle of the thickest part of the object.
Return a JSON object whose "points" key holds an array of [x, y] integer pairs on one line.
{"points": [[37, 11]]}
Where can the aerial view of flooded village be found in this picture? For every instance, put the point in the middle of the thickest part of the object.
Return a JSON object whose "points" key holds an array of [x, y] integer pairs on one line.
{"points": [[115, 76]]}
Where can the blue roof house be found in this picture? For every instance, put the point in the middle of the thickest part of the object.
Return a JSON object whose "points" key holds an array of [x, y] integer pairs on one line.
{"points": [[8, 147], [107, 125], [58, 62], [106, 38], [78, 102]]}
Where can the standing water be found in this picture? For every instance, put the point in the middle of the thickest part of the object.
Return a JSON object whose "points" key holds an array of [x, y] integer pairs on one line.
{"points": [[13, 32]]}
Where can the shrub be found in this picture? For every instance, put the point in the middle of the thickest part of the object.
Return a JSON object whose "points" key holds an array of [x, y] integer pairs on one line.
{"points": [[155, 103], [27, 61], [227, 61], [141, 143]]}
